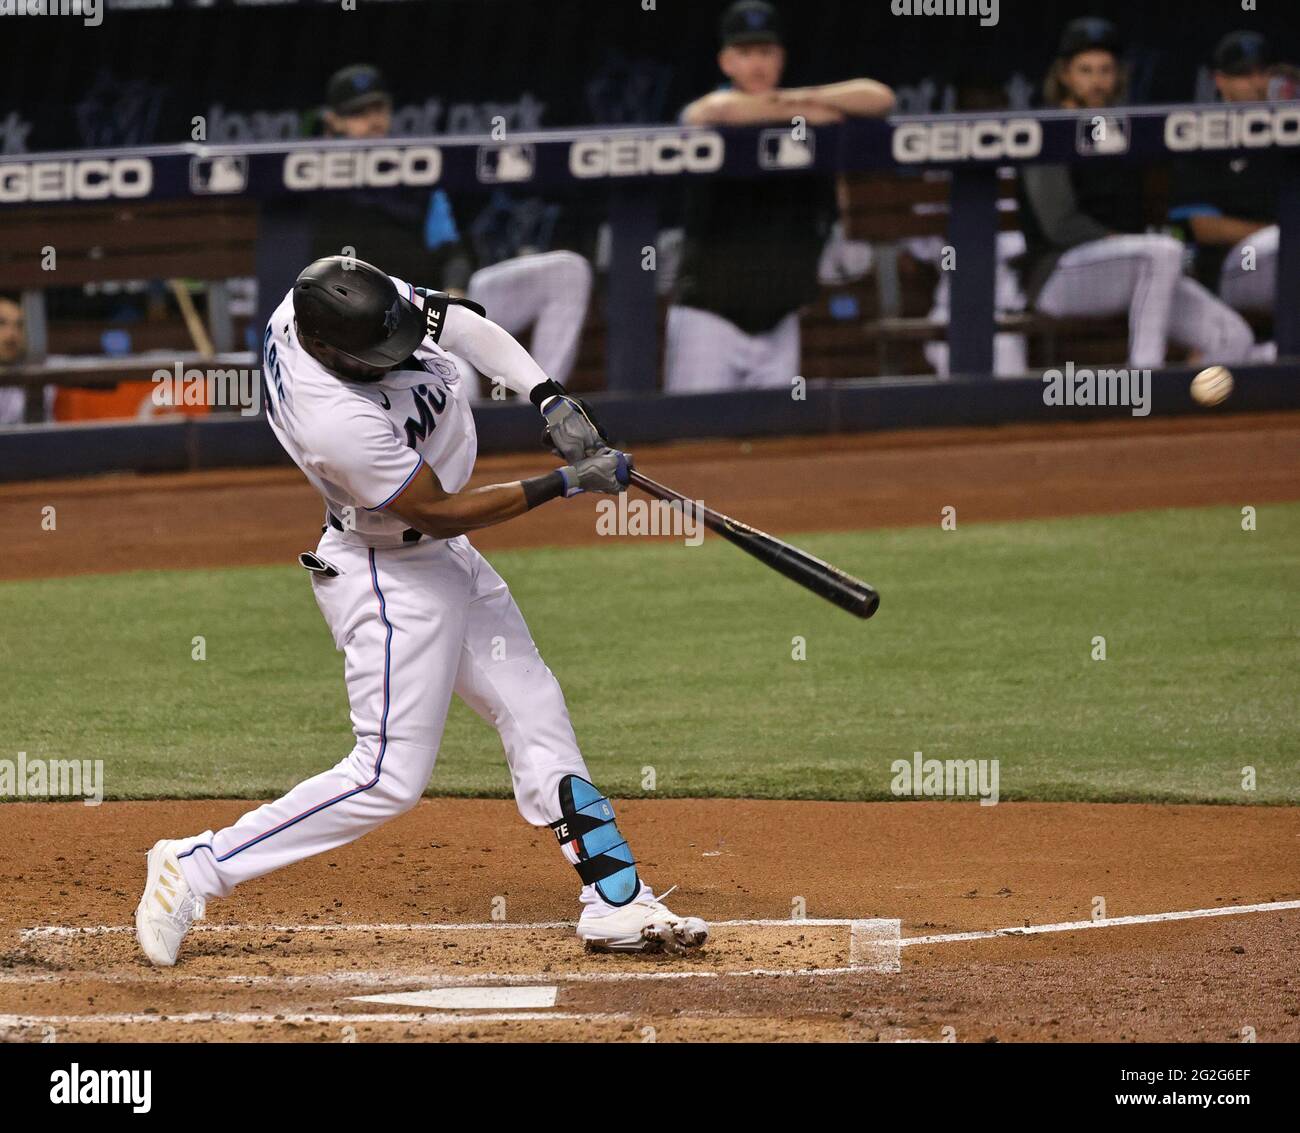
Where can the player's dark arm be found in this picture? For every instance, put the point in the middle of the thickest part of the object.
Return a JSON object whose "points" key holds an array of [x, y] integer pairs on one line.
{"points": [[1222, 230], [426, 506], [1049, 193]]}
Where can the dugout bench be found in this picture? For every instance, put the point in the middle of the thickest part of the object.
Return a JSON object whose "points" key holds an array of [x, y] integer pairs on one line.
{"points": [[199, 243]]}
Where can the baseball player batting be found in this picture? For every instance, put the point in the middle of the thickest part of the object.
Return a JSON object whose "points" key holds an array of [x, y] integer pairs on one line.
{"points": [[364, 392]]}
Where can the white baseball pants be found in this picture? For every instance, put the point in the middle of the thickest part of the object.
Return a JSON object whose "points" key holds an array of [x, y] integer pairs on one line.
{"points": [[1254, 290], [549, 292], [706, 352], [1143, 276], [415, 624]]}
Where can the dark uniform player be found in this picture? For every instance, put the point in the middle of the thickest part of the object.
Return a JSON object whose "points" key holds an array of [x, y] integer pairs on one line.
{"points": [[411, 231], [752, 248], [543, 295], [1087, 252], [1229, 207]]}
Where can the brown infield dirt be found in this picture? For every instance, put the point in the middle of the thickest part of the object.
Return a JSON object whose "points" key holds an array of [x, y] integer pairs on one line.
{"points": [[459, 893]]}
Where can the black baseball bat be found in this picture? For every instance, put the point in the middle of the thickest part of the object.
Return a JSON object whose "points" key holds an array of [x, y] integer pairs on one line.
{"points": [[824, 580]]}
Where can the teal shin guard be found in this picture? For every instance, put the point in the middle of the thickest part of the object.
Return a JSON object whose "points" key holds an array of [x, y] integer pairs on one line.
{"points": [[604, 857]]}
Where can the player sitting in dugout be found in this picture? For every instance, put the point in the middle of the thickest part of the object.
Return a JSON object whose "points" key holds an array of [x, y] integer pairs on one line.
{"points": [[752, 248], [413, 232], [13, 346], [1228, 205], [1087, 252]]}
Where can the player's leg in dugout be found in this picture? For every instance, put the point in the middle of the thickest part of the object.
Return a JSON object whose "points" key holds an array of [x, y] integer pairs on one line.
{"points": [[702, 351], [549, 292], [399, 617], [1199, 319], [1136, 273], [1253, 289], [503, 678], [772, 358], [1144, 273]]}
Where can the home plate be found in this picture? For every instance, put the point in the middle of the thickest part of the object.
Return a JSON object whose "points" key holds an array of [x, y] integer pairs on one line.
{"points": [[467, 998]]}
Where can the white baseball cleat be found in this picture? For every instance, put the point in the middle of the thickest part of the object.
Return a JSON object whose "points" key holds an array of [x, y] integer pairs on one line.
{"points": [[645, 924], [167, 909]]}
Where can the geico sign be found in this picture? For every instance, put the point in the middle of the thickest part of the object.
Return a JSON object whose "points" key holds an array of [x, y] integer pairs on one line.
{"points": [[383, 167], [962, 141], [92, 179], [1227, 129], [687, 152]]}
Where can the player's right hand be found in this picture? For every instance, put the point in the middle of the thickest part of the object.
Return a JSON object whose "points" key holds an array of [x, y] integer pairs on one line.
{"points": [[608, 471]]}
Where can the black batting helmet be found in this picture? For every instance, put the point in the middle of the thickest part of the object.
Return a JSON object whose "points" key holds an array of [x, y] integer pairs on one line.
{"points": [[355, 308]]}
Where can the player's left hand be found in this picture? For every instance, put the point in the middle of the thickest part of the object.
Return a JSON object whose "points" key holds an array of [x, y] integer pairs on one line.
{"points": [[571, 429]]}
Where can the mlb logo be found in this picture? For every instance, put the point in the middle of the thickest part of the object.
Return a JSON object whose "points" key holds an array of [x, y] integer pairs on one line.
{"points": [[504, 164], [780, 149], [1102, 135], [228, 174]]}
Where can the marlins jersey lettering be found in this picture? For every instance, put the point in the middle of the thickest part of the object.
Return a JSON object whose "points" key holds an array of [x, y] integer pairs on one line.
{"points": [[361, 443]]}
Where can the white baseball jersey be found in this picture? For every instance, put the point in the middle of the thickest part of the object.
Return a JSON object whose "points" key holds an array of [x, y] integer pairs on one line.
{"points": [[361, 443]]}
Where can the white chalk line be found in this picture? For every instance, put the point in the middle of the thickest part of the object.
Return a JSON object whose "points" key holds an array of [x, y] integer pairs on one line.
{"points": [[404, 978], [436, 1019], [1104, 922], [386, 979], [833, 922], [416, 926]]}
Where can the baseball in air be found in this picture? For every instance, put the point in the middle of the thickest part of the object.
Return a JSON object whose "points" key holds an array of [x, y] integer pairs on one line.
{"points": [[1212, 385]]}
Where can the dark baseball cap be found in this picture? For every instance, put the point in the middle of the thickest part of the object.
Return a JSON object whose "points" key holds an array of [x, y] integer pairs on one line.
{"points": [[355, 87], [1241, 52], [751, 21], [355, 308], [1089, 33]]}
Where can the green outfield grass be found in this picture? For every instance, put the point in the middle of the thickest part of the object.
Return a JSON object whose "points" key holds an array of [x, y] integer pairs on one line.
{"points": [[680, 659]]}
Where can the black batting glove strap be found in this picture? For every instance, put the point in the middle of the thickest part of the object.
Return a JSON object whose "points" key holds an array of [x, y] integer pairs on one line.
{"points": [[540, 393], [539, 489]]}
